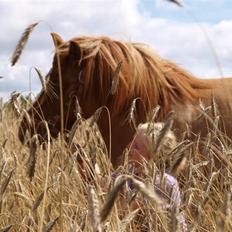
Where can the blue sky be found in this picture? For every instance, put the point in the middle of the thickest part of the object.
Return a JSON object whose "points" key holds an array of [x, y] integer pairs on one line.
{"points": [[171, 31], [211, 11]]}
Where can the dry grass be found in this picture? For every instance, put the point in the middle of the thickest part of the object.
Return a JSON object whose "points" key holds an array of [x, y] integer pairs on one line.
{"points": [[71, 187], [30, 185]]}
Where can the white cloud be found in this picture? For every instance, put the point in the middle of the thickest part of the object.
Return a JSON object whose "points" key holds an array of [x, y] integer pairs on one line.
{"points": [[183, 42], [187, 44]]}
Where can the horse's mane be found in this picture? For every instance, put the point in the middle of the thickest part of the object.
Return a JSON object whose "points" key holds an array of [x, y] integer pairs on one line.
{"points": [[144, 75]]}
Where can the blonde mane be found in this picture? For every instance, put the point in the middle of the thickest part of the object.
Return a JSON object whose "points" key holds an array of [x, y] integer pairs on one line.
{"points": [[144, 75]]}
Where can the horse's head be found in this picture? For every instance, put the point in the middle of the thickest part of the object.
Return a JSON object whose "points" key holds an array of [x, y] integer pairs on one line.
{"points": [[67, 69]]}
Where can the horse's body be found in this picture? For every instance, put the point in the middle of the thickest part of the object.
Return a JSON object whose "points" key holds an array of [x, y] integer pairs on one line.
{"points": [[87, 67]]}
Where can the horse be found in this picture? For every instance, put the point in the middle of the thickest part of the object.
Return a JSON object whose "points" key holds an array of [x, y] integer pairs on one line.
{"points": [[87, 68]]}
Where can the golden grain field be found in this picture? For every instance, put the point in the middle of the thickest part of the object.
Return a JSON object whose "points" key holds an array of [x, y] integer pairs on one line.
{"points": [[72, 187], [45, 189]]}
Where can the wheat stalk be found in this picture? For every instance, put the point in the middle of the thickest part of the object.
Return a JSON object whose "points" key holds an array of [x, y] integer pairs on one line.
{"points": [[93, 119], [107, 207], [5, 183], [74, 129], [94, 211], [132, 112], [32, 158], [152, 119], [6, 229], [214, 107], [38, 200], [48, 227], [41, 78], [176, 2], [146, 190], [22, 42], [178, 166], [161, 138], [1, 109], [46, 175], [127, 220], [115, 79], [14, 103]]}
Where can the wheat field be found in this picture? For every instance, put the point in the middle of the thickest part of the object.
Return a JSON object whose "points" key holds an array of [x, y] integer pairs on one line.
{"points": [[44, 188], [71, 187]]}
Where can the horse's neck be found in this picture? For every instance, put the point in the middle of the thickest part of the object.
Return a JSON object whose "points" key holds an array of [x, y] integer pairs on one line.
{"points": [[117, 134]]}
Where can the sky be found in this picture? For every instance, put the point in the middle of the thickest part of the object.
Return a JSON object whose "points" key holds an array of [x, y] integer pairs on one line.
{"points": [[197, 36]]}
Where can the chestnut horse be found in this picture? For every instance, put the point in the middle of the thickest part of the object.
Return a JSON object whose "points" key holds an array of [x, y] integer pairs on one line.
{"points": [[87, 67]]}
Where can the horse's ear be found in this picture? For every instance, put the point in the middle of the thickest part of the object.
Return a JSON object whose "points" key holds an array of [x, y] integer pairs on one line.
{"points": [[75, 51], [57, 40]]}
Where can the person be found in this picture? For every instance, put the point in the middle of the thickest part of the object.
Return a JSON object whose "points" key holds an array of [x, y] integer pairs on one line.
{"points": [[141, 152]]}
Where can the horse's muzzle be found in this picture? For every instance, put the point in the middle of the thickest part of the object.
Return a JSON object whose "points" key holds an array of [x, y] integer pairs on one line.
{"points": [[37, 128]]}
